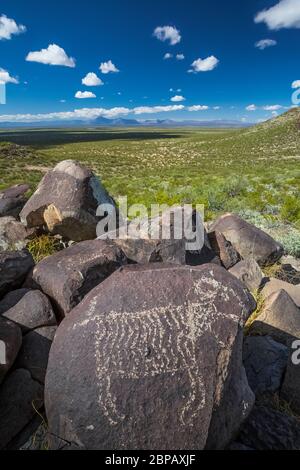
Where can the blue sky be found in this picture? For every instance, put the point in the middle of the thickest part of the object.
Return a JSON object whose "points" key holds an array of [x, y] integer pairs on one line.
{"points": [[222, 34]]}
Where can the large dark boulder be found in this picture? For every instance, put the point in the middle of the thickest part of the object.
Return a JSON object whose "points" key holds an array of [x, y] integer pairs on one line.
{"points": [[33, 311], [248, 240], [270, 429], [20, 398], [14, 266], [265, 362], [66, 202], [67, 276], [151, 359], [10, 344]]}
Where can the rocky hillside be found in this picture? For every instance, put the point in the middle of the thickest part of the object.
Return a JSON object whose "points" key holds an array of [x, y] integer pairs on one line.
{"points": [[142, 342]]}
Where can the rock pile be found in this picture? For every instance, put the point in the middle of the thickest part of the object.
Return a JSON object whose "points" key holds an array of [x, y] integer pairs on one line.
{"points": [[140, 343]]}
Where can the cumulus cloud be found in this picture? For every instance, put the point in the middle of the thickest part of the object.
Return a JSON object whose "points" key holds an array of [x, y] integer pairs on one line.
{"points": [[89, 113], [168, 56], [296, 84], [272, 107], [53, 55], [108, 67], [264, 43], [8, 27], [204, 65], [251, 107], [180, 56], [198, 107], [167, 33], [84, 94], [5, 77], [177, 98], [269, 107], [91, 79], [157, 109], [285, 14]]}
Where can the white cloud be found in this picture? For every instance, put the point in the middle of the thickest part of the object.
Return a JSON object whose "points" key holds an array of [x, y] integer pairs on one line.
{"points": [[107, 67], [89, 113], [251, 107], [8, 27], [171, 89], [296, 84], [5, 77], [168, 56], [177, 98], [53, 55], [269, 107], [157, 109], [264, 43], [204, 65], [84, 94], [180, 56], [198, 107], [167, 33], [91, 79], [285, 14], [217, 107], [272, 107]]}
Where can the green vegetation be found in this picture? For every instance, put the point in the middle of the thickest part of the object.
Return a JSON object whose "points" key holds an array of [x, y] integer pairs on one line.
{"points": [[253, 171], [43, 246]]}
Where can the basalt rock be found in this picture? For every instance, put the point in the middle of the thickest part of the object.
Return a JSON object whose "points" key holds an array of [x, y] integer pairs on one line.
{"points": [[66, 202], [67, 276], [248, 240], [151, 359], [32, 311], [14, 266]]}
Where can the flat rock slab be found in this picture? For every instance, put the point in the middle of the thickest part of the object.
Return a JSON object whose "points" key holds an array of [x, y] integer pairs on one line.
{"points": [[265, 362], [248, 272], [151, 359], [14, 266], [67, 276], [66, 202], [279, 318], [269, 429], [10, 344], [34, 352], [274, 285], [20, 397], [248, 240], [33, 311]]}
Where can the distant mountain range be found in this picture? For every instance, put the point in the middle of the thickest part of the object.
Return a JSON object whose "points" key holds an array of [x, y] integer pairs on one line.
{"points": [[103, 122]]}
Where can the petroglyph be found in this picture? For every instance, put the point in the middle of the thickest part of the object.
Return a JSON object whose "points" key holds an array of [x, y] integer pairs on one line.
{"points": [[158, 341]]}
